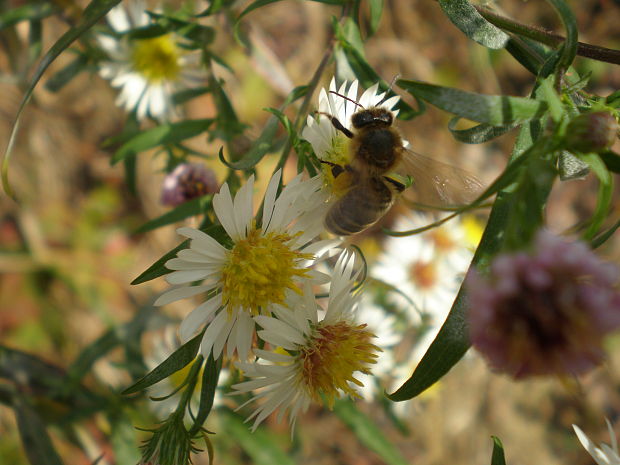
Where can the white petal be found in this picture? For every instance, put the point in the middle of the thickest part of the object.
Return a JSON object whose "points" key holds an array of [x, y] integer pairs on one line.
{"points": [[197, 317], [223, 207], [179, 293]]}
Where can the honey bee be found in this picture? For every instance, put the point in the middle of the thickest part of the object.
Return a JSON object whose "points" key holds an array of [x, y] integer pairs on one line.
{"points": [[378, 150]]}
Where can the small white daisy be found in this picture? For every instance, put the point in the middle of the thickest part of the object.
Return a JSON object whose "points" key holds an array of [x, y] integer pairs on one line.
{"points": [[328, 143], [261, 268], [147, 71], [603, 455], [316, 358]]}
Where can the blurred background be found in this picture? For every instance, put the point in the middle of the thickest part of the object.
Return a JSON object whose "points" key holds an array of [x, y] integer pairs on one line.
{"points": [[68, 250]]}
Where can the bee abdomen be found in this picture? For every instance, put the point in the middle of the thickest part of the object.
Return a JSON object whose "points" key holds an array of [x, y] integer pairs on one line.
{"points": [[360, 207]]}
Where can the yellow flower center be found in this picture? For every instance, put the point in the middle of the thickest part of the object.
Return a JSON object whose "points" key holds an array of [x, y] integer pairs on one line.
{"points": [[423, 274], [259, 270], [331, 356], [156, 59]]}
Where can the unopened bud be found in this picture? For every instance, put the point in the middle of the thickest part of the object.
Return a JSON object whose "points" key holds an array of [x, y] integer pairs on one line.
{"points": [[591, 132]]}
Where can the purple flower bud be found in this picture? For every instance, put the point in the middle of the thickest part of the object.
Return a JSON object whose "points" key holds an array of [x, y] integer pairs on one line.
{"points": [[591, 132], [546, 312], [187, 181]]}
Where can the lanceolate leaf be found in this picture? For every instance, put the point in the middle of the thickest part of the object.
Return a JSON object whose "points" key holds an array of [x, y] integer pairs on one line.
{"points": [[477, 134], [605, 191], [179, 359], [496, 110], [452, 341], [497, 458], [168, 133], [473, 25], [191, 207], [210, 376], [37, 443], [93, 13]]}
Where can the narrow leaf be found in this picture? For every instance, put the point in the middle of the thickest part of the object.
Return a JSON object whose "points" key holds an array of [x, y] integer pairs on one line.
{"points": [[210, 377], [496, 110], [569, 46], [179, 359], [263, 145], [186, 209], [497, 457], [376, 10], [29, 12], [605, 194], [167, 133], [368, 432], [37, 443], [477, 134], [464, 16]]}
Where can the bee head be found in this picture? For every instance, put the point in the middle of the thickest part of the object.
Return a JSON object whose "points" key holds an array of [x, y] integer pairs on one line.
{"points": [[372, 117]]}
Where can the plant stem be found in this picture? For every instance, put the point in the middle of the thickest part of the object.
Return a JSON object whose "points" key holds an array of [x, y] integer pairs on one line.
{"points": [[594, 52]]}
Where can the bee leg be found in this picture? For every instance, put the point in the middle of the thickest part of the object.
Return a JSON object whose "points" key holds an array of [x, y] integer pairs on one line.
{"points": [[337, 169], [337, 124], [399, 186]]}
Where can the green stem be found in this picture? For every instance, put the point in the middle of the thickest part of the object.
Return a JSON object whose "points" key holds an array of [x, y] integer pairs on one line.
{"points": [[594, 52]]}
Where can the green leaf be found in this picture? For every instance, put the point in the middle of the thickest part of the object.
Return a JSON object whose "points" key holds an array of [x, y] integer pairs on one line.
{"points": [[62, 77], [376, 9], [259, 445], [464, 16], [167, 133], [549, 95], [367, 432], [210, 376], [158, 269], [497, 457], [95, 10], [603, 237], [452, 341], [186, 209], [477, 134], [180, 358], [28, 12], [496, 110], [605, 194], [37, 443], [527, 52], [261, 146], [186, 95], [568, 50]]}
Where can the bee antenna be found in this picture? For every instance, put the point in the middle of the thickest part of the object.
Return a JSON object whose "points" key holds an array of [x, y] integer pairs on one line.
{"points": [[346, 98], [396, 76]]}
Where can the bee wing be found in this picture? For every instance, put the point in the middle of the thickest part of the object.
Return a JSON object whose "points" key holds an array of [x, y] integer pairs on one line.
{"points": [[437, 184]]}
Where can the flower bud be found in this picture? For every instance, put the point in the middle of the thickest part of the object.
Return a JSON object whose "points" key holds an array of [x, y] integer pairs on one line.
{"points": [[591, 132], [186, 182]]}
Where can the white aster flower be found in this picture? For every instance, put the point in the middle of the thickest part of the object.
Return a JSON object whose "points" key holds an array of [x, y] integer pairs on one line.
{"points": [[328, 143], [263, 265], [603, 455], [316, 358], [161, 402], [147, 71]]}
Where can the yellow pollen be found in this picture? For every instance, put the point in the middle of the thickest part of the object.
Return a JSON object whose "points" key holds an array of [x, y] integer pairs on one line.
{"points": [[423, 274], [156, 59], [331, 356], [337, 154], [259, 270]]}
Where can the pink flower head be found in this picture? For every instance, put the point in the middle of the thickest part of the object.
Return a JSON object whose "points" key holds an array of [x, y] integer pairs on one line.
{"points": [[186, 182], [545, 312]]}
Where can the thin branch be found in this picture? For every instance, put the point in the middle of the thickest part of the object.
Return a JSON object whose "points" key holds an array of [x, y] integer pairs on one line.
{"points": [[594, 52]]}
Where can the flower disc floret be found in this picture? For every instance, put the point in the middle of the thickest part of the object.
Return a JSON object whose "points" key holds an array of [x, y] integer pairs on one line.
{"points": [[157, 59], [331, 356], [260, 269]]}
